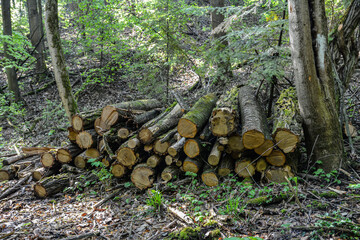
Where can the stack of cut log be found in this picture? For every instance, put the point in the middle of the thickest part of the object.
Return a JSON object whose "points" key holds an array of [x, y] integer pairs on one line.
{"points": [[214, 138]]}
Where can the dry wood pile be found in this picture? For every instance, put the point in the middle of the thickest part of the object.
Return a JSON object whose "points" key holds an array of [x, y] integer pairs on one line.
{"points": [[137, 139]]}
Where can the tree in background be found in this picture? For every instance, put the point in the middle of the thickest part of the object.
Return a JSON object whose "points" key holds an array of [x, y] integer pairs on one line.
{"points": [[7, 31], [37, 34], [57, 57], [220, 42]]}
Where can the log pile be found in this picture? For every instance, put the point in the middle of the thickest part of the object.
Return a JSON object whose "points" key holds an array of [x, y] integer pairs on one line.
{"points": [[214, 138]]}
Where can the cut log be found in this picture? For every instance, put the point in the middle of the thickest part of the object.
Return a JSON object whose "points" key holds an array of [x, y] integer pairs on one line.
{"points": [[174, 149], [48, 159], [51, 185], [7, 173], [123, 133], [193, 121], [261, 165], [168, 136], [101, 127], [145, 117], [223, 141], [161, 148], [252, 118], [276, 174], [209, 177], [192, 148], [35, 150], [72, 134], [107, 161], [142, 176], [68, 153], [148, 134], [86, 139], [276, 158], [169, 160], [226, 166], [118, 170], [81, 161], [148, 147], [192, 165], [266, 148], [85, 120], [287, 121], [42, 172], [153, 161], [16, 158], [205, 133], [134, 142], [215, 155], [169, 173], [244, 168]]}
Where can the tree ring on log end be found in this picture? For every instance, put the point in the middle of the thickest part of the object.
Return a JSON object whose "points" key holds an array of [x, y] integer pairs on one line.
{"points": [[84, 140], [126, 157], [286, 140], [186, 128], [77, 123], [118, 170], [161, 148], [145, 136], [142, 177], [63, 156], [4, 176], [192, 148], [40, 191], [253, 139], [210, 179], [47, 159], [276, 158], [244, 168], [166, 176], [266, 148], [80, 162]]}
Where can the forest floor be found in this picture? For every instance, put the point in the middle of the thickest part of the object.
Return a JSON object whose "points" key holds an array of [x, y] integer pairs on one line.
{"points": [[318, 206]]}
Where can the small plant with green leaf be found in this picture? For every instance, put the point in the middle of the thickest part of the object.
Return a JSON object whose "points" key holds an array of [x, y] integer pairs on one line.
{"points": [[155, 200]]}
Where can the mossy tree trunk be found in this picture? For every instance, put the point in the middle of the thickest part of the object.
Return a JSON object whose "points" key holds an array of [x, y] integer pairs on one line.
{"points": [[315, 82], [57, 58]]}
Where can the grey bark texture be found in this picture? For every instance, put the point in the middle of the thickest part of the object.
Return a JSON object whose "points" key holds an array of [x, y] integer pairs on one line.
{"points": [[7, 30], [314, 82], [57, 58], [37, 33]]}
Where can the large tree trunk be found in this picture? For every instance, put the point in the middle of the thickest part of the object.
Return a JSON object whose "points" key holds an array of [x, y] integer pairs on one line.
{"points": [[57, 58], [7, 30], [314, 82], [37, 34]]}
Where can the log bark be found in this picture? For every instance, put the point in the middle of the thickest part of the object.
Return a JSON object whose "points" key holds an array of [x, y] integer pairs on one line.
{"points": [[16, 158], [252, 118], [192, 148], [215, 155], [145, 117], [192, 165], [169, 173], [209, 176], [175, 149], [276, 158], [193, 121], [35, 150], [143, 176], [118, 170], [226, 166], [68, 153], [287, 121], [87, 139], [148, 134], [51, 185], [244, 168], [205, 133]]}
